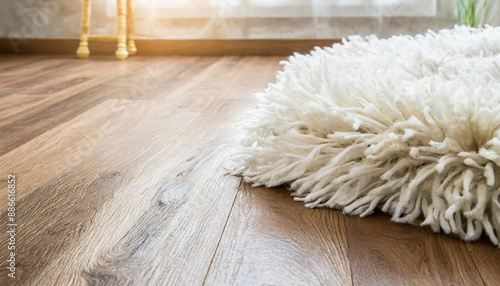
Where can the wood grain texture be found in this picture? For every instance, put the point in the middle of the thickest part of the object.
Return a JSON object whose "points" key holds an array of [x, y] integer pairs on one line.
{"points": [[386, 253], [13, 61], [485, 257], [121, 182], [280, 242]]}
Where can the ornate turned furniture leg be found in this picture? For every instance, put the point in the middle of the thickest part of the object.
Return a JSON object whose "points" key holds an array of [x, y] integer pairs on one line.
{"points": [[121, 52], [130, 28], [83, 50]]}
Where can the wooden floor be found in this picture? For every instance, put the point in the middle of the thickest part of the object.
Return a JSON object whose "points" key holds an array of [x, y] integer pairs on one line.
{"points": [[120, 181]]}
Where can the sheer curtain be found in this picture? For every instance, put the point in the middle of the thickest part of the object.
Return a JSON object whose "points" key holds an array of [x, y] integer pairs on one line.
{"points": [[233, 19], [253, 19]]}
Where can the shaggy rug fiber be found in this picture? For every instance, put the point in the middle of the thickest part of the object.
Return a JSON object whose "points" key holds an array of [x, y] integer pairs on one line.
{"points": [[409, 125]]}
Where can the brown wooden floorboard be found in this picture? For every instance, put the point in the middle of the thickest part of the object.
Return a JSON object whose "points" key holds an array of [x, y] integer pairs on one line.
{"points": [[271, 240], [121, 181], [387, 253]]}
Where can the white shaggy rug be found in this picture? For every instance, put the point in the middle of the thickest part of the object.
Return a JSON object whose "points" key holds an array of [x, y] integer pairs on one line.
{"points": [[409, 125]]}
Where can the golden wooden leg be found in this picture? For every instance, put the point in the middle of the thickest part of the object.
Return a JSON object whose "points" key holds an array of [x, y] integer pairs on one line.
{"points": [[83, 49], [130, 28], [121, 52]]}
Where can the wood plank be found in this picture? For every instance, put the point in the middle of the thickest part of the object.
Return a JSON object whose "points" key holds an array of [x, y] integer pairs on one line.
{"points": [[108, 70], [387, 253], [8, 91], [272, 240], [58, 85], [229, 78], [206, 86], [180, 222], [57, 150], [27, 128], [486, 256], [79, 191], [39, 77], [46, 117], [162, 78], [137, 153], [14, 103], [47, 158], [8, 77], [11, 62]]}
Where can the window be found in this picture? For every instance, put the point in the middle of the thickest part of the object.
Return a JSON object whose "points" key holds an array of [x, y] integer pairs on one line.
{"points": [[280, 8]]}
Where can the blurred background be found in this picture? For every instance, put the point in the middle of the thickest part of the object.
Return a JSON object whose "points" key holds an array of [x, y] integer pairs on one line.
{"points": [[235, 19]]}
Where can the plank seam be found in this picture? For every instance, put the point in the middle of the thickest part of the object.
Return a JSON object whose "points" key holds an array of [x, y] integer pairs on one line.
{"points": [[474, 261], [348, 249], [223, 230]]}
